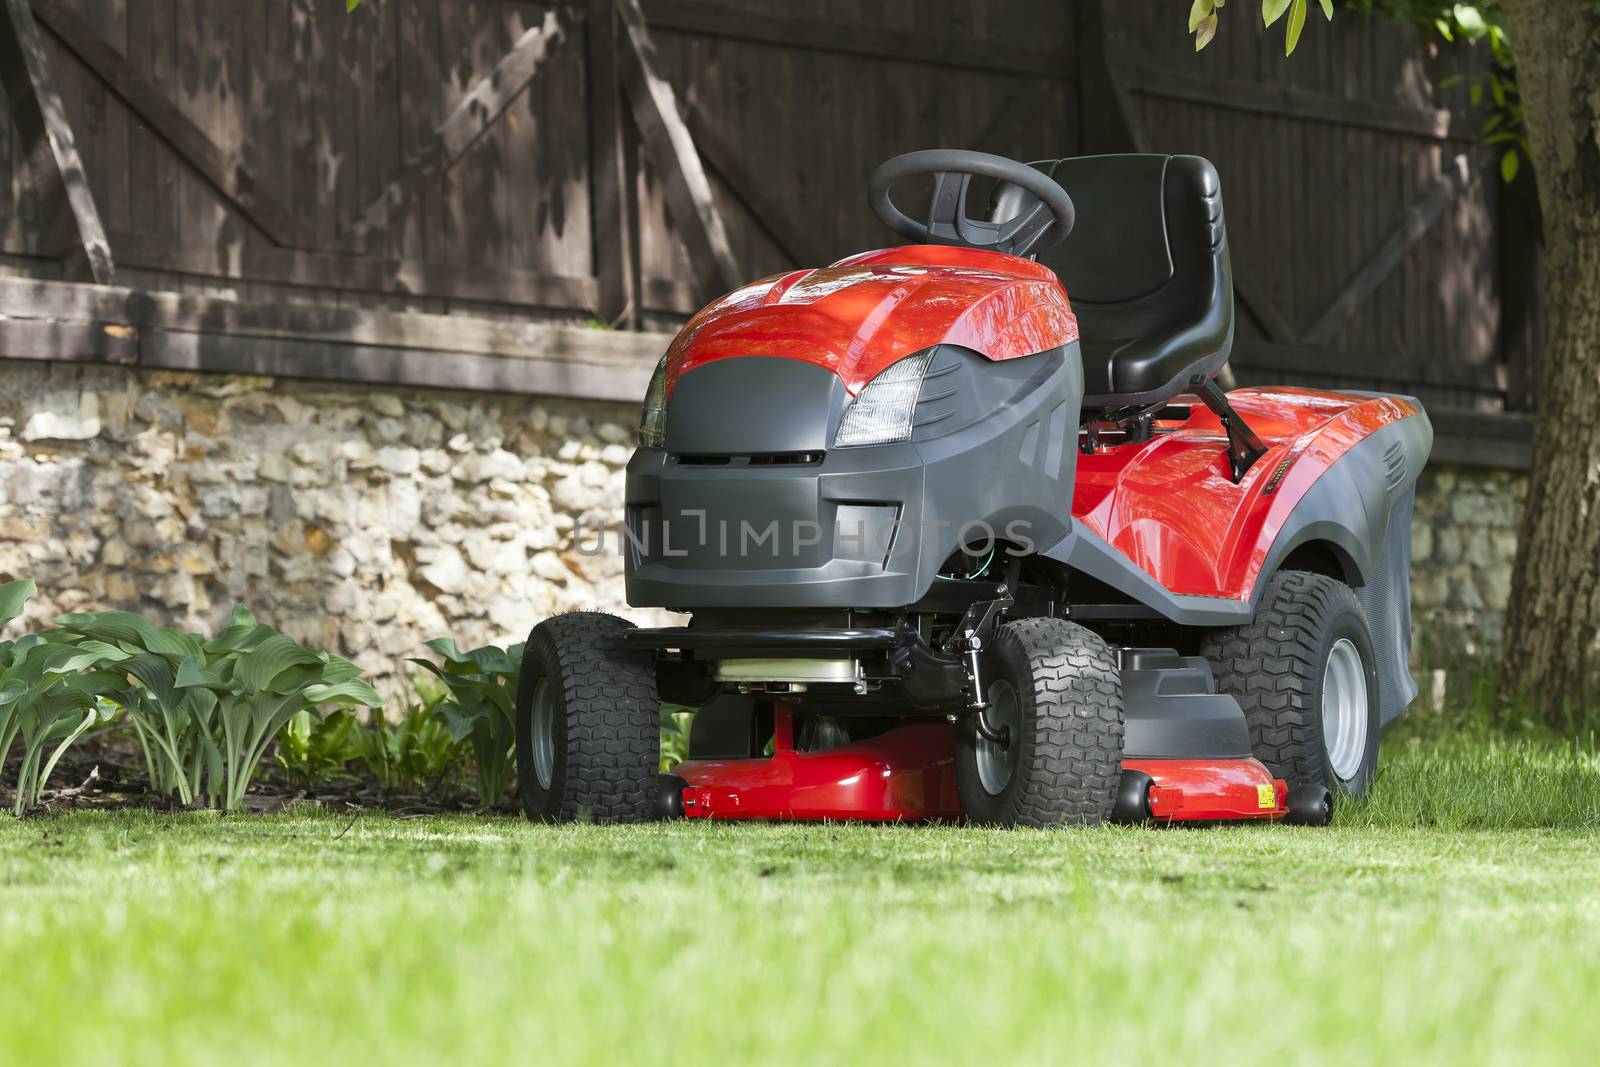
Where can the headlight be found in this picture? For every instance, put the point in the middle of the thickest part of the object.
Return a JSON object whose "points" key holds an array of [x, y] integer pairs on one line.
{"points": [[653, 420], [881, 413]]}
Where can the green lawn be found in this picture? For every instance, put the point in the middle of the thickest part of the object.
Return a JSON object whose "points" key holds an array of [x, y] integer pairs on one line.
{"points": [[1460, 926]]}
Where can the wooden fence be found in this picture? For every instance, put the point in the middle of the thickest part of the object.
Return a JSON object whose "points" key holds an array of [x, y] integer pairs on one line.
{"points": [[444, 192]]}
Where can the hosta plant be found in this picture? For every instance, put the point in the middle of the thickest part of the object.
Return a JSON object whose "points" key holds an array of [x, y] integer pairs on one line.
{"points": [[207, 710], [483, 694], [315, 752], [170, 723], [260, 678], [414, 754], [51, 689]]}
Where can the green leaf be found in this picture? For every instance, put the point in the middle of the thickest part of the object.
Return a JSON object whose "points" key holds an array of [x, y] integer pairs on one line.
{"points": [[344, 693], [1272, 10], [446, 648], [1198, 13], [351, 5], [191, 675], [1509, 164], [1471, 20], [260, 667], [13, 595], [1208, 30], [1297, 22], [1327, 9]]}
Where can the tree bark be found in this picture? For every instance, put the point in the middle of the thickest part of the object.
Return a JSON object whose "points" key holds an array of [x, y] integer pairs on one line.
{"points": [[1552, 646]]}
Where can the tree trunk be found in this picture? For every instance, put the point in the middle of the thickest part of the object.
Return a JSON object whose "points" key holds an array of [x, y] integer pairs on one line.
{"points": [[1552, 647]]}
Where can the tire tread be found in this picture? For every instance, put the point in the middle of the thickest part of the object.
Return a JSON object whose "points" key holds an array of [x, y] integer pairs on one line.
{"points": [[613, 737]]}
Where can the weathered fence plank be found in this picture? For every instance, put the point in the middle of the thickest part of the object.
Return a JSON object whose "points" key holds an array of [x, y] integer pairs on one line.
{"points": [[46, 142]]}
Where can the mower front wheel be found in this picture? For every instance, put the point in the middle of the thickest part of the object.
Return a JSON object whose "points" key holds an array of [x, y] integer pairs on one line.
{"points": [[588, 722], [1054, 694]]}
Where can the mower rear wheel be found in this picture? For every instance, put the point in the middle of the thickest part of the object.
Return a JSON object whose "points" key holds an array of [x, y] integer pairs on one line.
{"points": [[1055, 691], [1305, 675], [588, 722]]}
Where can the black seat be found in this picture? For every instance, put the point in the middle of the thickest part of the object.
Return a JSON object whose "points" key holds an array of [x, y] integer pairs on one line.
{"points": [[1146, 268]]}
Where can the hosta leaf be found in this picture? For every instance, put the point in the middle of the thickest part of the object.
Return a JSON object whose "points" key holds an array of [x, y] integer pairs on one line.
{"points": [[428, 665], [457, 720], [91, 653], [118, 626], [337, 669], [242, 633], [155, 673], [446, 647], [349, 692], [13, 596], [256, 669], [192, 675], [46, 658]]}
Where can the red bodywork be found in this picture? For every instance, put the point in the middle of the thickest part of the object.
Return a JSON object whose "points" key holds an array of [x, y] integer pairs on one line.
{"points": [[909, 774], [866, 312], [1169, 505]]}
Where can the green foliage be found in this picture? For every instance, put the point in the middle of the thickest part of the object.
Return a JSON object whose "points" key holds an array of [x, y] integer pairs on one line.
{"points": [[1203, 19], [1472, 23], [205, 711], [51, 689], [316, 752], [482, 684], [415, 754], [675, 721]]}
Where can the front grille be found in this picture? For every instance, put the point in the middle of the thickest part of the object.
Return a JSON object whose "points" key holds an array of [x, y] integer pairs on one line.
{"points": [[755, 459]]}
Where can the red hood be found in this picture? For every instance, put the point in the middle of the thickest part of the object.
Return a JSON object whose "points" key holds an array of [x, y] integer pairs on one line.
{"points": [[866, 312]]}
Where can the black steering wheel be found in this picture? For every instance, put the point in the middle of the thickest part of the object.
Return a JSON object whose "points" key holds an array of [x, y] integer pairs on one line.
{"points": [[1046, 210]]}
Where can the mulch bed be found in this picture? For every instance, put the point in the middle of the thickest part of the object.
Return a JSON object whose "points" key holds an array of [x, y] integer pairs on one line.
{"points": [[107, 772]]}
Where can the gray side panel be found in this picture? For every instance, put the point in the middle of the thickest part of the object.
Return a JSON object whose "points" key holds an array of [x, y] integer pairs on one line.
{"points": [[1386, 600], [1350, 504]]}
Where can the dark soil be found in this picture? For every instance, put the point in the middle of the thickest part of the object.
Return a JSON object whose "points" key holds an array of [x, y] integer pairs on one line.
{"points": [[107, 771]]}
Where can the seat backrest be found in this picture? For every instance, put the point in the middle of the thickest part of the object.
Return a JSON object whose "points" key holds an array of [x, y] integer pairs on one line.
{"points": [[1146, 268]]}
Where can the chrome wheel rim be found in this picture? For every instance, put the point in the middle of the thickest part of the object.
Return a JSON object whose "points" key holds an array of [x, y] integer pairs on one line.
{"points": [[994, 761], [544, 734], [1344, 709]]}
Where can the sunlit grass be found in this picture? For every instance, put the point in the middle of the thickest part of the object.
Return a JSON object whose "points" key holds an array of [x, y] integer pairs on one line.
{"points": [[1453, 918]]}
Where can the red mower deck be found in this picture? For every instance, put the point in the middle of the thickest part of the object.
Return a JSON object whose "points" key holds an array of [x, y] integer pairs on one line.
{"points": [[908, 775]]}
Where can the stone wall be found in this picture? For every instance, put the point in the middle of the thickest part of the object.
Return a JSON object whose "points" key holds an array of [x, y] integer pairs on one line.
{"points": [[361, 520], [1463, 544], [367, 520]]}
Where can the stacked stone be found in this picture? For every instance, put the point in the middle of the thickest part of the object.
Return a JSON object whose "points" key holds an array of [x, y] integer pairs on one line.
{"points": [[360, 520], [1463, 545]]}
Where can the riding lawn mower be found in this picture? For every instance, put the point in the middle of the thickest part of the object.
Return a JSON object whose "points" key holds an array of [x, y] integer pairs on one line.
{"points": [[954, 547]]}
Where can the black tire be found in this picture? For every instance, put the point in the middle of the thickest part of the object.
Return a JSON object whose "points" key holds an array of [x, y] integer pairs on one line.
{"points": [[1065, 758], [1275, 668], [605, 723]]}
